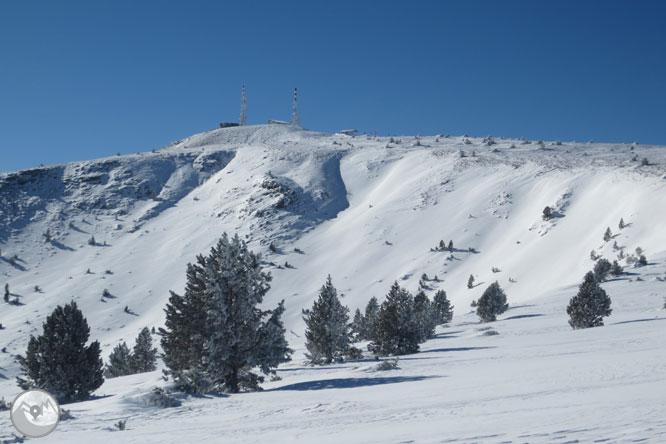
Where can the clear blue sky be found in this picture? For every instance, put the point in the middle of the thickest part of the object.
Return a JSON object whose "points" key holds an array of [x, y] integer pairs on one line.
{"points": [[87, 79]]}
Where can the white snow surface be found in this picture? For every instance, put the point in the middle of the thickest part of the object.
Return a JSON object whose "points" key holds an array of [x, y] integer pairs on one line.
{"points": [[367, 211]]}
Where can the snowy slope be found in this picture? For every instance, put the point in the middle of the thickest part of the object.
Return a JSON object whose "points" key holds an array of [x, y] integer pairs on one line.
{"points": [[367, 211]]}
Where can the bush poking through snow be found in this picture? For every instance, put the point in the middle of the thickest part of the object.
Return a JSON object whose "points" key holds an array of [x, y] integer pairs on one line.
{"points": [[608, 235], [591, 304], [121, 425], [388, 364], [5, 405], [492, 303], [161, 398], [547, 213]]}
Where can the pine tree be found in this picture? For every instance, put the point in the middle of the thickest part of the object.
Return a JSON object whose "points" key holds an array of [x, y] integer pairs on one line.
{"points": [[450, 245], [590, 305], [120, 362], [424, 316], [370, 319], [59, 361], [396, 331], [616, 269], [358, 325], [601, 270], [608, 235], [547, 213], [327, 330], [215, 334], [621, 225], [491, 303], [442, 307], [143, 357], [470, 281]]}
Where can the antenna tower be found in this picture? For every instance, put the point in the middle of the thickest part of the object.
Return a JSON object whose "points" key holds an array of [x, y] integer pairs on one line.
{"points": [[294, 118], [243, 119]]}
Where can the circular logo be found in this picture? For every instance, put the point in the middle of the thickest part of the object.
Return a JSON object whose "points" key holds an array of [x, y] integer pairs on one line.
{"points": [[35, 413]]}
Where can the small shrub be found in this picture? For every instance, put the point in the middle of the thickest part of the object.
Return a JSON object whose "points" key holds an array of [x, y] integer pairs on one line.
{"points": [[547, 213], [106, 293], [161, 398], [354, 354], [644, 161], [65, 415], [121, 425], [388, 364], [92, 241], [490, 333], [5, 405]]}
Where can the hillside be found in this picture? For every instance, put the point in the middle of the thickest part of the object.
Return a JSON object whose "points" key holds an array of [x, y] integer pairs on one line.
{"points": [[368, 211]]}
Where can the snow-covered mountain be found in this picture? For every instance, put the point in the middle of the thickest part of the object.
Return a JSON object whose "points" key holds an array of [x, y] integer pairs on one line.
{"points": [[368, 211]]}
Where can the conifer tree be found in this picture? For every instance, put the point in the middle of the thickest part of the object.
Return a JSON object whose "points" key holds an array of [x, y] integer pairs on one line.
{"points": [[590, 305], [442, 307], [327, 327], [424, 316], [59, 361], [616, 269], [601, 270], [608, 235], [358, 325], [491, 303], [143, 357], [370, 319], [621, 225], [120, 362], [396, 331], [215, 334], [470, 281]]}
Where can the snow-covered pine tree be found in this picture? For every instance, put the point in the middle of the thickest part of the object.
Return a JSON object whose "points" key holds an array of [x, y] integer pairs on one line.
{"points": [[621, 225], [491, 303], [608, 235], [144, 355], [442, 307], [370, 319], [424, 316], [357, 325], [120, 362], [470, 281], [547, 213], [616, 269], [327, 327], [59, 361], [601, 270], [396, 331], [590, 305], [215, 334]]}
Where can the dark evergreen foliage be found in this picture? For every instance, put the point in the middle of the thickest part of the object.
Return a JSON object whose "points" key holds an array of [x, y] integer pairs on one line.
{"points": [[601, 270], [547, 213], [396, 331], [491, 303], [327, 327], [215, 334], [424, 315], [608, 235], [144, 355], [442, 308], [120, 362], [590, 305], [470, 281], [616, 269], [59, 361]]}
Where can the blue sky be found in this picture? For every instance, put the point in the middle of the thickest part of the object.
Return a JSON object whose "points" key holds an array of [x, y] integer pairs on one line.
{"points": [[81, 80]]}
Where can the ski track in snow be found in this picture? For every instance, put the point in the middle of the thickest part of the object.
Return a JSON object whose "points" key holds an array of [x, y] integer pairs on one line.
{"points": [[367, 214]]}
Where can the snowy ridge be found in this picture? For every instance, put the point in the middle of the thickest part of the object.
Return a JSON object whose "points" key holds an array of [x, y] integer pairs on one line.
{"points": [[367, 211]]}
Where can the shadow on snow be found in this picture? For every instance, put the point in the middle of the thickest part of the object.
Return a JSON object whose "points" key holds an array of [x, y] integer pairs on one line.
{"points": [[342, 383]]}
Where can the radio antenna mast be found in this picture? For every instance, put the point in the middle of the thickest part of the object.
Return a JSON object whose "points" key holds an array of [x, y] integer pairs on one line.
{"points": [[243, 119], [294, 118]]}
